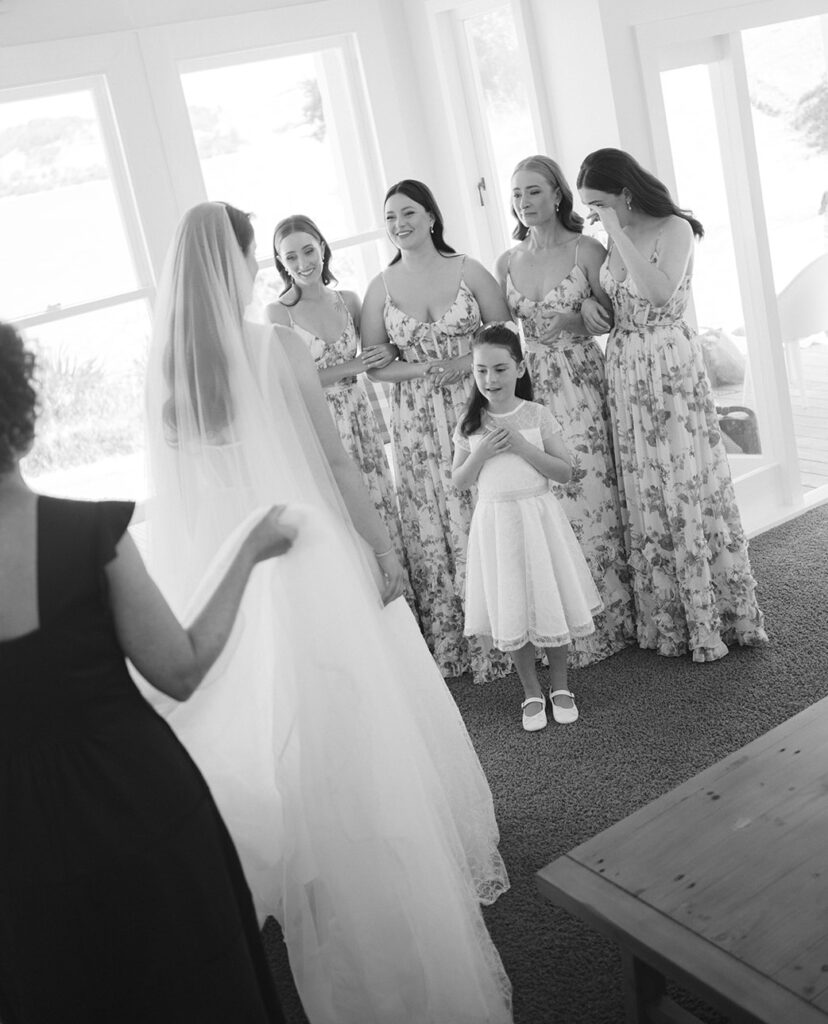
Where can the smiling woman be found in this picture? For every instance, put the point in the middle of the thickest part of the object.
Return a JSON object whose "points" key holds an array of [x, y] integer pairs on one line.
{"points": [[327, 320], [429, 302]]}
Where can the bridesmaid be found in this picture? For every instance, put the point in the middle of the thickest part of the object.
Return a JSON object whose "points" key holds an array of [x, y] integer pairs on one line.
{"points": [[545, 279], [429, 302], [694, 590], [327, 320]]}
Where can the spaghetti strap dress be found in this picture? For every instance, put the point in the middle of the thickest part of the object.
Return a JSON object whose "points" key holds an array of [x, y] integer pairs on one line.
{"points": [[693, 586], [122, 898], [568, 378], [359, 431], [435, 515]]}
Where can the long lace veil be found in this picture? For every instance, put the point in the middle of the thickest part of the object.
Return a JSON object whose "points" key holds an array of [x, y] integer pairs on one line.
{"points": [[228, 429], [333, 749]]}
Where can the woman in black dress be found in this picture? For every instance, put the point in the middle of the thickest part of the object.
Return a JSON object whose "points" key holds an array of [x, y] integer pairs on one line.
{"points": [[121, 895]]}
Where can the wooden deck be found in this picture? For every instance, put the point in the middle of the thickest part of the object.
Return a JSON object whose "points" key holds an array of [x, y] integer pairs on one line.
{"points": [[810, 414]]}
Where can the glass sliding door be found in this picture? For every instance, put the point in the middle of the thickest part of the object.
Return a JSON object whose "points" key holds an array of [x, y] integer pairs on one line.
{"points": [[787, 78], [737, 101], [701, 184]]}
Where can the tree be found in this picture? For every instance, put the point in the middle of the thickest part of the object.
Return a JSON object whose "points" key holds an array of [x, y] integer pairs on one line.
{"points": [[811, 116]]}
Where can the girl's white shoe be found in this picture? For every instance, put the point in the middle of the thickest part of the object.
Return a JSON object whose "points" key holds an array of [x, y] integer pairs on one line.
{"points": [[563, 715], [531, 723]]}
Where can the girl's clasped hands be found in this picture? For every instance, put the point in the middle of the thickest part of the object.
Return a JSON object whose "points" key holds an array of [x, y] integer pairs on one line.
{"points": [[499, 440]]}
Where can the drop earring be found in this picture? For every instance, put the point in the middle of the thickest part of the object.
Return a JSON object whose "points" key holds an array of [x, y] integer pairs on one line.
{"points": [[628, 201]]}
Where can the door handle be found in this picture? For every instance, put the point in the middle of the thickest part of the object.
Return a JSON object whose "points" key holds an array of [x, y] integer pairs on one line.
{"points": [[481, 188]]}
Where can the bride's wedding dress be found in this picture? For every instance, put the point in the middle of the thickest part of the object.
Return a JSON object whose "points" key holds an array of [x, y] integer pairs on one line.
{"points": [[333, 748]]}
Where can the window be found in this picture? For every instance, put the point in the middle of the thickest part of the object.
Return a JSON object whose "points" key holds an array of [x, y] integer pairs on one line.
{"points": [[502, 98], [75, 280], [280, 136]]}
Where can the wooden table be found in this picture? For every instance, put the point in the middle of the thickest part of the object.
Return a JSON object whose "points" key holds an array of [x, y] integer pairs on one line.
{"points": [[721, 885]]}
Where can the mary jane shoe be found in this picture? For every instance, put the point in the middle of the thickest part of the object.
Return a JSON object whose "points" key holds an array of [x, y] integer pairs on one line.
{"points": [[563, 716], [532, 723]]}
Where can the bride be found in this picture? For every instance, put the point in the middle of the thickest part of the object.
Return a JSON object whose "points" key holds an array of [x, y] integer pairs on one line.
{"points": [[336, 754]]}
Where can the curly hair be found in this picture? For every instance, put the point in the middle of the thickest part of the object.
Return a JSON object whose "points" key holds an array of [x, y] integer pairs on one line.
{"points": [[18, 398]]}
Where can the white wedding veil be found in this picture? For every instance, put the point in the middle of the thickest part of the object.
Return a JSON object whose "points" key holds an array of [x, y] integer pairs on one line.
{"points": [[227, 427], [334, 750]]}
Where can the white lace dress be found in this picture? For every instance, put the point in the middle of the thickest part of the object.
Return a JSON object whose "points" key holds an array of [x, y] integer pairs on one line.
{"points": [[526, 576]]}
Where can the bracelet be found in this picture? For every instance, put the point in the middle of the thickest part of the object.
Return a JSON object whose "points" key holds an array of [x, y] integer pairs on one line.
{"points": [[382, 554]]}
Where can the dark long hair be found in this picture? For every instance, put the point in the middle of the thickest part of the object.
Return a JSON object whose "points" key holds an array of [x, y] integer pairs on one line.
{"points": [[613, 170], [549, 169], [209, 393], [18, 397], [287, 226], [423, 195], [502, 337], [242, 225]]}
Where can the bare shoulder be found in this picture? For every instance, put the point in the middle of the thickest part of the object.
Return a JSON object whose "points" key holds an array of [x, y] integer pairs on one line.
{"points": [[675, 238], [352, 301], [276, 313], [503, 261], [475, 273], [591, 254], [375, 292], [678, 228]]}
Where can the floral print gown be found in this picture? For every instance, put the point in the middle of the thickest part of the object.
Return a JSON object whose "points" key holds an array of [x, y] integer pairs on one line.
{"points": [[353, 414], [435, 515], [692, 582], [568, 378]]}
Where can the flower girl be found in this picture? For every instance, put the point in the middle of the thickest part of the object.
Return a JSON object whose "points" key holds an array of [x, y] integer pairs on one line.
{"points": [[527, 582]]}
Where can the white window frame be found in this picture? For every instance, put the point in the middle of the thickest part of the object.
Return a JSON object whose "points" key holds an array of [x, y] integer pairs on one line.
{"points": [[460, 87], [177, 49], [96, 85], [768, 487]]}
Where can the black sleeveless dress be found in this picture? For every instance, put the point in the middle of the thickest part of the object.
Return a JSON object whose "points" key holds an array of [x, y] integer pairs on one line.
{"points": [[122, 899]]}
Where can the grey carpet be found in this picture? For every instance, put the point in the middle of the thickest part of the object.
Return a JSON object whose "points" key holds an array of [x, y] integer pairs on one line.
{"points": [[647, 724]]}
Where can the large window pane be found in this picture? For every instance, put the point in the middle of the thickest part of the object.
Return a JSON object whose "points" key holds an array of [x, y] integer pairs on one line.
{"points": [[62, 240], [700, 180], [90, 432], [497, 64], [276, 137], [788, 83]]}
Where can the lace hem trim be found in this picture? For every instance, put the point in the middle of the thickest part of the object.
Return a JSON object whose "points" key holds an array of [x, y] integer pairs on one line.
{"points": [[539, 640]]}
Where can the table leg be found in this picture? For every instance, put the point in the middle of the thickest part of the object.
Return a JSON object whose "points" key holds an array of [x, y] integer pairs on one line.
{"points": [[643, 988]]}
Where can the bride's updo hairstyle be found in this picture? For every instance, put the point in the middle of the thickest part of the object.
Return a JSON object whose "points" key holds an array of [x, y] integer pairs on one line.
{"points": [[613, 170], [289, 226], [18, 398]]}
